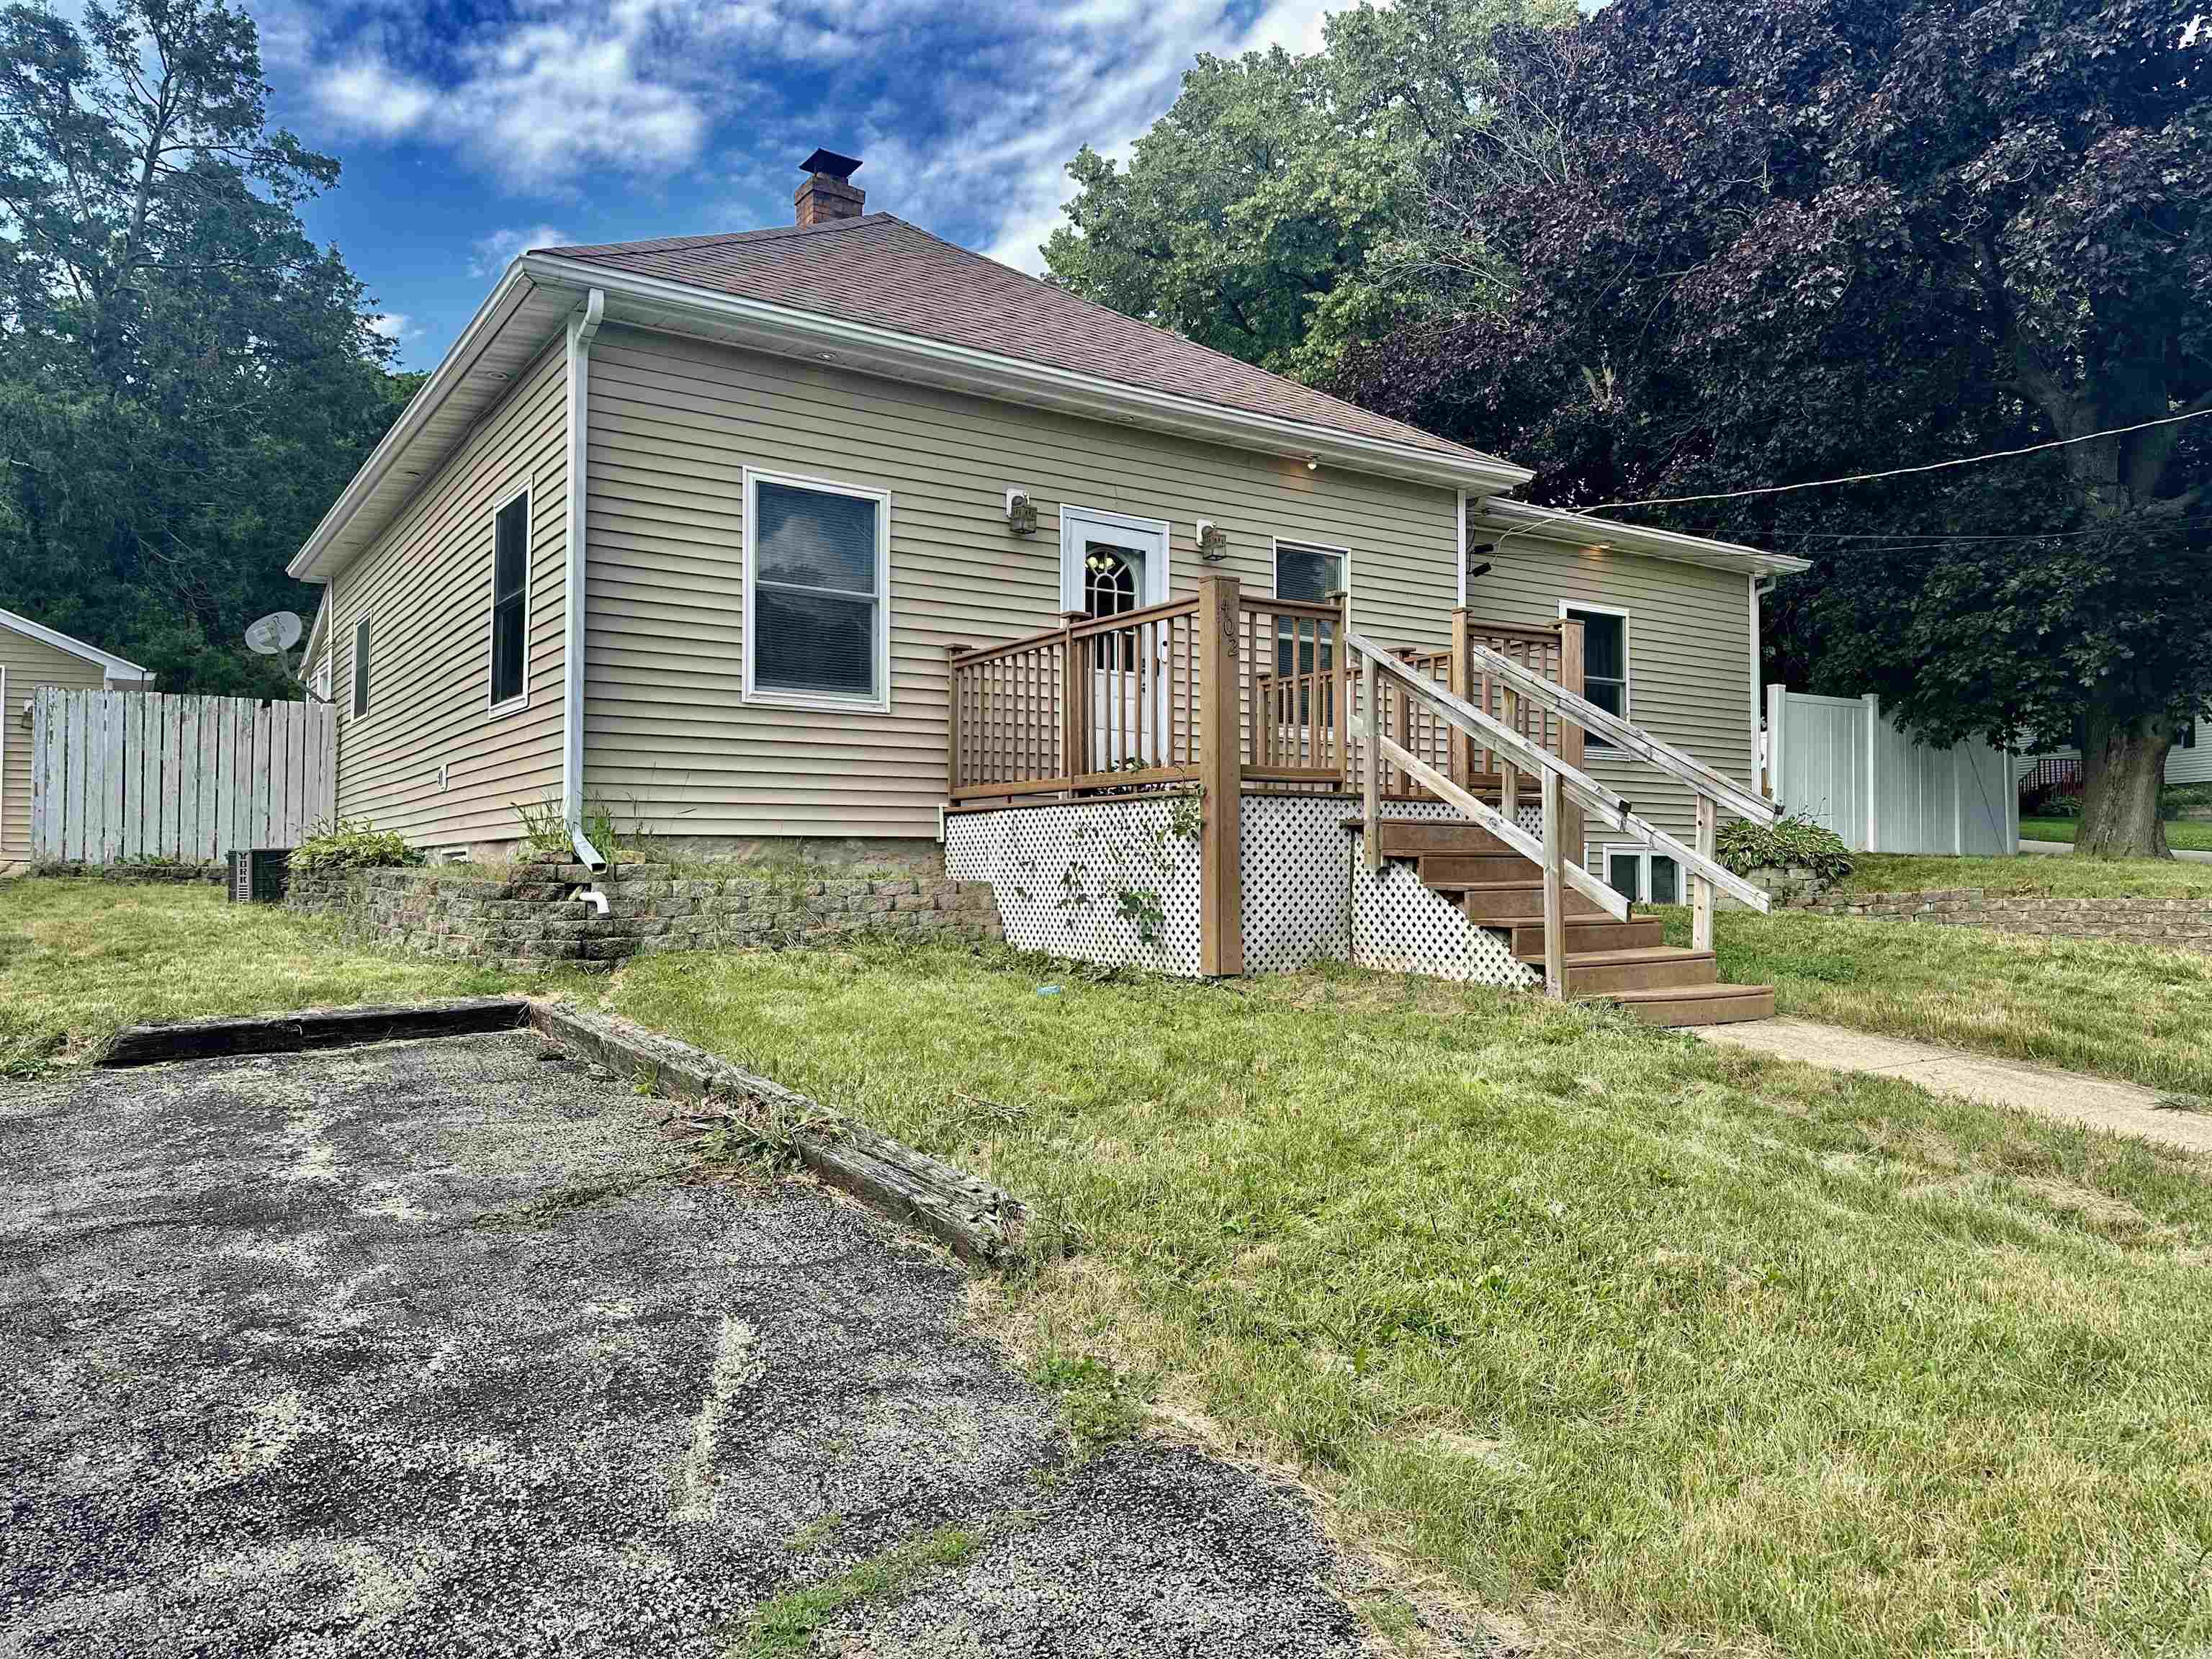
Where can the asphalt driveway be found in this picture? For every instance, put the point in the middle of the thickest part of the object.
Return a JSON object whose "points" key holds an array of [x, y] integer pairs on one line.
{"points": [[440, 1348]]}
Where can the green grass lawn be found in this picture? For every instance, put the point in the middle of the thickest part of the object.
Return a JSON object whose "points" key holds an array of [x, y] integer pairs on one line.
{"points": [[2031, 872], [2189, 834], [2084, 1005], [79, 959], [1657, 1347]]}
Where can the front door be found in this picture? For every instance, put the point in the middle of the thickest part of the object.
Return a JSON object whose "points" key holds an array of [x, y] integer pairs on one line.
{"points": [[1112, 564]]}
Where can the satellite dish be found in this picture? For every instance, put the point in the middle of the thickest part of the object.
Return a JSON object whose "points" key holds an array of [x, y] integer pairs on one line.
{"points": [[278, 631]]}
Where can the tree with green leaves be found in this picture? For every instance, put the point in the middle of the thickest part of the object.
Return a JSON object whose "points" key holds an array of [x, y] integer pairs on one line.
{"points": [[1285, 205], [1817, 238], [185, 380]]}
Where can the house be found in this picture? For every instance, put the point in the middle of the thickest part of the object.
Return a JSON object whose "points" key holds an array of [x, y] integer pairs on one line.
{"points": [[710, 529], [32, 655], [2189, 761]]}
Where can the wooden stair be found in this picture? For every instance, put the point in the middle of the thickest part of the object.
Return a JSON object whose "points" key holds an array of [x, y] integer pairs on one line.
{"points": [[1619, 961]]}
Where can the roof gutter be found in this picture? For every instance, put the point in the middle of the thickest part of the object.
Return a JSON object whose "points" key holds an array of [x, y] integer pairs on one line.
{"points": [[875, 349], [1581, 530], [583, 328], [459, 359]]}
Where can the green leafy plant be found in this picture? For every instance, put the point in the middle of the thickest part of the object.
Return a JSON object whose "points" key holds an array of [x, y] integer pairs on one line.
{"points": [[1142, 906], [350, 844], [1187, 816], [1794, 842]]}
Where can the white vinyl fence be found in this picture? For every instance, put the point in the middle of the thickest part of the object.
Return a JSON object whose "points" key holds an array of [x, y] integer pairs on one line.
{"points": [[1842, 762], [117, 776]]}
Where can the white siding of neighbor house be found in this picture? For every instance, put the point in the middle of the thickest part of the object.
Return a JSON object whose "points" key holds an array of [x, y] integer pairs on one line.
{"points": [[29, 664], [2182, 765], [426, 587], [1689, 657], [674, 423]]}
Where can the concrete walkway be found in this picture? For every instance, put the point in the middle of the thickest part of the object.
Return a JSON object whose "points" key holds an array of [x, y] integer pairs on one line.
{"points": [[2060, 849], [2124, 1109]]}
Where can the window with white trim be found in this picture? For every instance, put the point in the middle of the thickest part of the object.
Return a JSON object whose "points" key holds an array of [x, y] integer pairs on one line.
{"points": [[1637, 872], [510, 604], [817, 592], [1309, 573], [360, 669], [1605, 660], [322, 677]]}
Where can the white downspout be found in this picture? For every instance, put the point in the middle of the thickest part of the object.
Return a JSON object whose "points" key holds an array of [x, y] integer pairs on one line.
{"points": [[582, 328]]}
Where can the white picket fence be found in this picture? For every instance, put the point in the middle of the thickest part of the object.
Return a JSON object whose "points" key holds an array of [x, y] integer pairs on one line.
{"points": [[1843, 763], [117, 776]]}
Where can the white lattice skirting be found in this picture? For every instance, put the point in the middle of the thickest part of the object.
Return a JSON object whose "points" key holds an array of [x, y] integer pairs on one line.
{"points": [[1087, 879], [1090, 879]]}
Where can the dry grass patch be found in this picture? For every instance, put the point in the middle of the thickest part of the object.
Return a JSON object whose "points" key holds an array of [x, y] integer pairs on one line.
{"points": [[1612, 1332]]}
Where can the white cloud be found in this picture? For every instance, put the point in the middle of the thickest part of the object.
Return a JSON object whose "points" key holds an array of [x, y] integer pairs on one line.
{"points": [[966, 117], [489, 255], [392, 325]]}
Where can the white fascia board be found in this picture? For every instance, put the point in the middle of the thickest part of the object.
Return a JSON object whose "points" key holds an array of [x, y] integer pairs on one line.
{"points": [[876, 350], [118, 668], [452, 371], [1553, 524]]}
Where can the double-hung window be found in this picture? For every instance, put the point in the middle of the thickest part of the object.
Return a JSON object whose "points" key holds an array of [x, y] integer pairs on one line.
{"points": [[510, 603], [1310, 575], [1605, 660], [818, 593], [360, 669]]}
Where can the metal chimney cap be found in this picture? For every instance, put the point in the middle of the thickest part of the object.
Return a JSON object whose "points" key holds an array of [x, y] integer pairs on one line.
{"points": [[828, 161]]}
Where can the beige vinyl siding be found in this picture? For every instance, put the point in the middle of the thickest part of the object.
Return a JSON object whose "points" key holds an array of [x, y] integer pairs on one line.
{"points": [[1689, 657], [30, 663], [674, 423], [426, 587]]}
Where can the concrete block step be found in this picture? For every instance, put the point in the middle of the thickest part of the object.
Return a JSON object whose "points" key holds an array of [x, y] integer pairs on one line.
{"points": [[1595, 973], [1643, 932], [1681, 1006]]}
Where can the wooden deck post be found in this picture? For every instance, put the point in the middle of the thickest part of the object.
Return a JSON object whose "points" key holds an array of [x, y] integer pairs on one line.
{"points": [[1340, 683], [1701, 890], [1570, 735], [952, 722], [1074, 701], [1462, 683], [1370, 766], [1555, 907], [1221, 880]]}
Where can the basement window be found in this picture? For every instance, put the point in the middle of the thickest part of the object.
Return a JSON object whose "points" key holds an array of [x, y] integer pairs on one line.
{"points": [[816, 593], [1638, 873], [510, 604]]}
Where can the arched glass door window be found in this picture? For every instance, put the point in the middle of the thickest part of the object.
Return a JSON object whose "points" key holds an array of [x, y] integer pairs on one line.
{"points": [[1112, 585]]}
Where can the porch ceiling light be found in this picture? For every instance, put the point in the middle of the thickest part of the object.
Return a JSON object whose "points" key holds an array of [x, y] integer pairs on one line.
{"points": [[1313, 462], [1021, 512]]}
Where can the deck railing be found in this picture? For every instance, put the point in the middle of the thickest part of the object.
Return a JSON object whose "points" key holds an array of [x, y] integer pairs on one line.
{"points": [[1138, 713]]}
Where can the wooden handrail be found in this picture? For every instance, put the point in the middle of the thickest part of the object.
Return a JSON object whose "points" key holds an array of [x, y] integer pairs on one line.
{"points": [[1558, 781], [968, 656]]}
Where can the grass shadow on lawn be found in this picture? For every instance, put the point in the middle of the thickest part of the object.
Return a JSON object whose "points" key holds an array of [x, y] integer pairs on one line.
{"points": [[1609, 1328]]}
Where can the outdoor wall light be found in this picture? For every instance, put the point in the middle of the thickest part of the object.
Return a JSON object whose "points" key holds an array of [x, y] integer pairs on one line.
{"points": [[1021, 512], [1212, 542], [1313, 462]]}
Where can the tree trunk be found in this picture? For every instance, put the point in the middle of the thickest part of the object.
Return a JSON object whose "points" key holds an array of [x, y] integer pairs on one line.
{"points": [[2122, 767]]}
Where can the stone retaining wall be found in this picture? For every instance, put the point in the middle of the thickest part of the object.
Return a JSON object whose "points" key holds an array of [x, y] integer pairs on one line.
{"points": [[529, 916], [2182, 924]]}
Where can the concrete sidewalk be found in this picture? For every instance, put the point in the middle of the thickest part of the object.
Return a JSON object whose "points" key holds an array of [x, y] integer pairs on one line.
{"points": [[2061, 848], [2124, 1109]]}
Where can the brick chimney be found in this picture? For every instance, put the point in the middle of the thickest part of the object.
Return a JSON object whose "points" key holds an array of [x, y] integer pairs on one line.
{"points": [[829, 193]]}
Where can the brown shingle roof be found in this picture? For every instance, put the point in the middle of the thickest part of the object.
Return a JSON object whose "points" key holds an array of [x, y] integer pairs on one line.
{"points": [[880, 269]]}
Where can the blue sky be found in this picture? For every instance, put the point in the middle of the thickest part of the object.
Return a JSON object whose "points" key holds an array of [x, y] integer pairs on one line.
{"points": [[470, 131]]}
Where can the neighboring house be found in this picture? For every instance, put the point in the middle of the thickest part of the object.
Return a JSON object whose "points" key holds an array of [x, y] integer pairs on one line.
{"points": [[2189, 760], [796, 447], [32, 655]]}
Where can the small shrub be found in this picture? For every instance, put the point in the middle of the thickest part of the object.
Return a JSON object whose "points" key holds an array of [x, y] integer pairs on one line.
{"points": [[1794, 842], [350, 844], [2179, 798]]}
